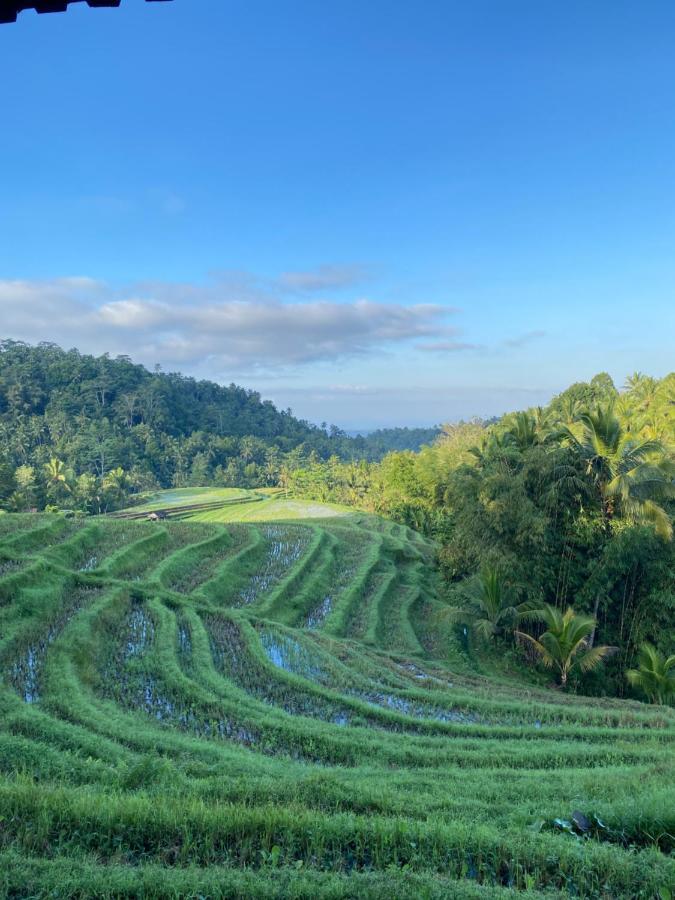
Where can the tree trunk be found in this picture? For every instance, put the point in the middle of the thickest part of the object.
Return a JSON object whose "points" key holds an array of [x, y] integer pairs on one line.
{"points": [[591, 639]]}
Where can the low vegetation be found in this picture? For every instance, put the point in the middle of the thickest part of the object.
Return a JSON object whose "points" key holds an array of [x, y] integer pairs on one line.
{"points": [[88, 433], [243, 656], [273, 705], [571, 505]]}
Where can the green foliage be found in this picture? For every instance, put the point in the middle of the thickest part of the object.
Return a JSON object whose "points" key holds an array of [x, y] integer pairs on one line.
{"points": [[628, 472], [88, 432], [565, 645], [260, 708], [492, 608], [655, 675], [574, 501], [394, 440]]}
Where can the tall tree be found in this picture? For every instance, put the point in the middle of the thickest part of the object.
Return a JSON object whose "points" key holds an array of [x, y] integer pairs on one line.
{"points": [[492, 607], [59, 478], [564, 646], [631, 475], [655, 674]]}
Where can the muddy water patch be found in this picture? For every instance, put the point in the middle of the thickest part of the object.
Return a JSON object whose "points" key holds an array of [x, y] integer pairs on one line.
{"points": [[184, 639], [284, 547], [145, 694], [10, 566], [418, 710], [420, 675], [233, 658], [318, 616], [27, 670], [287, 653], [341, 580], [140, 633]]}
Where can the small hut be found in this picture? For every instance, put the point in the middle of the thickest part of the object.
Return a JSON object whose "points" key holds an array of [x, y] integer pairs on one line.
{"points": [[157, 516]]}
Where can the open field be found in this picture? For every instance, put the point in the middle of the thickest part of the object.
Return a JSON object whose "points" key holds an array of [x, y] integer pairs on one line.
{"points": [[255, 700], [189, 497], [229, 505]]}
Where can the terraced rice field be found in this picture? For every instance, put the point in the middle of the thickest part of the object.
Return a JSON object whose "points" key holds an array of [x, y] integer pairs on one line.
{"points": [[229, 505], [266, 708]]}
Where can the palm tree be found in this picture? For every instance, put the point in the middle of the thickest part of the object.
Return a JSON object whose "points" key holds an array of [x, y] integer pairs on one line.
{"points": [[524, 432], [284, 478], [570, 408], [117, 483], [642, 388], [629, 473], [565, 643], [58, 476], [494, 446], [492, 607], [661, 414], [655, 675]]}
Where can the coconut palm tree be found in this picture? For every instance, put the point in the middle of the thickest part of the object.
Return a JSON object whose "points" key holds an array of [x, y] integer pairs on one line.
{"points": [[116, 486], [56, 472], [630, 474], [655, 675], [494, 446], [661, 414], [570, 408], [491, 605], [59, 478], [642, 389], [564, 645], [524, 432]]}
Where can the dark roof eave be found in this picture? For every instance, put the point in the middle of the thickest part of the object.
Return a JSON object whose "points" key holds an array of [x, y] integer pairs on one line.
{"points": [[9, 9]]}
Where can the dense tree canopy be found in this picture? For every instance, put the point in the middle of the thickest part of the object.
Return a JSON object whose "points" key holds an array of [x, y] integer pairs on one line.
{"points": [[67, 421], [573, 503]]}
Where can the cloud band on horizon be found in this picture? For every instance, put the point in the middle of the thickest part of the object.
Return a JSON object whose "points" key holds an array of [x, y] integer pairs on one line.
{"points": [[187, 328]]}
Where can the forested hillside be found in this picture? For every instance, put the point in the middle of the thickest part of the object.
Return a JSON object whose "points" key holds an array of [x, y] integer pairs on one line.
{"points": [[567, 505], [87, 432], [84, 432], [377, 444]]}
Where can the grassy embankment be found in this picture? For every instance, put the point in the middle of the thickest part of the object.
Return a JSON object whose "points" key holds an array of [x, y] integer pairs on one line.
{"points": [[255, 700]]}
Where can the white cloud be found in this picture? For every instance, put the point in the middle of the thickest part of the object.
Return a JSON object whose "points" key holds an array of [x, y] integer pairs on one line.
{"points": [[325, 277], [448, 346], [192, 327], [134, 313], [527, 338]]}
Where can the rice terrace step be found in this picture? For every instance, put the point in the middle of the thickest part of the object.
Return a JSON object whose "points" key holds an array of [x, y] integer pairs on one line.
{"points": [[242, 700]]}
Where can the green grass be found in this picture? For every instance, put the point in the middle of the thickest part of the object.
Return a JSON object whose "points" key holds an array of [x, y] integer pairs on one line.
{"points": [[186, 496], [255, 700], [217, 505], [270, 507]]}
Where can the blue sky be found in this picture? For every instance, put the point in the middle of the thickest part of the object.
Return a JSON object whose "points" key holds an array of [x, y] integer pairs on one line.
{"points": [[375, 213]]}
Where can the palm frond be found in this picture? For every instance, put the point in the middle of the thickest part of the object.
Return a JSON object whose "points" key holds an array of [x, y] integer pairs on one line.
{"points": [[533, 614], [592, 658], [453, 614], [484, 627], [546, 658], [659, 518]]}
